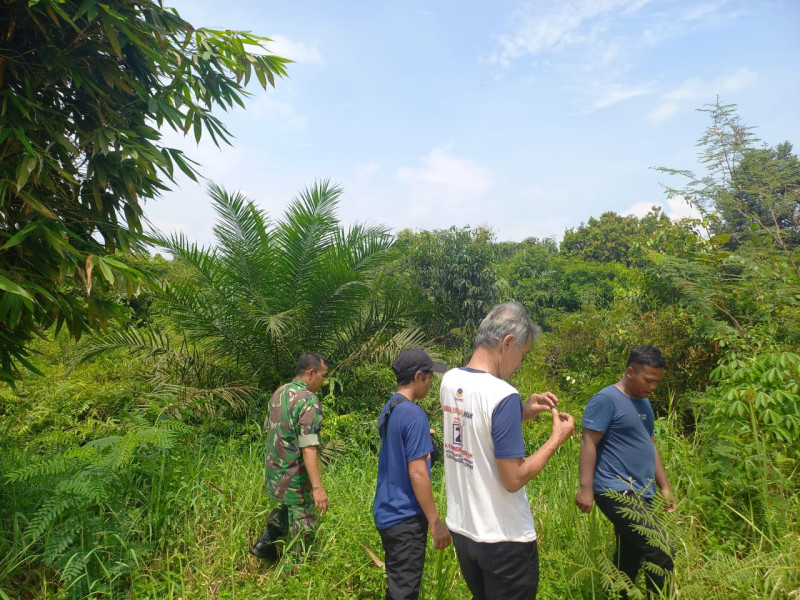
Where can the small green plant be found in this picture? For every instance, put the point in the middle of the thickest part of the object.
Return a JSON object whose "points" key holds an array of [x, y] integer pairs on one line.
{"points": [[89, 512]]}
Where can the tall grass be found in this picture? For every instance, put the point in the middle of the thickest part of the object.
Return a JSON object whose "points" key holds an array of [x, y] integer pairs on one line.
{"points": [[179, 523]]}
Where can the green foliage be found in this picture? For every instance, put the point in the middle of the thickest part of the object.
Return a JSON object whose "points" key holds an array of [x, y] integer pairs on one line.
{"points": [[86, 85], [550, 285], [751, 424], [610, 238], [765, 195], [748, 192], [270, 291], [82, 507], [733, 285], [179, 521], [454, 270], [587, 350]]}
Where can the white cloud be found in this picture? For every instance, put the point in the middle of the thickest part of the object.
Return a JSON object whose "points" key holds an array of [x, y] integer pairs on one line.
{"points": [[281, 117], [544, 26], [677, 208], [540, 228], [640, 209], [444, 179], [694, 91], [594, 44], [296, 51], [700, 12], [608, 94]]}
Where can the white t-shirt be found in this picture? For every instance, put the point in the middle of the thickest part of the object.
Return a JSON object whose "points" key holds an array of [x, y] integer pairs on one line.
{"points": [[482, 421]]}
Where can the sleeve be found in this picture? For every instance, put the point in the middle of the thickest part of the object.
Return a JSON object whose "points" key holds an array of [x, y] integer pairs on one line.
{"points": [[417, 437], [309, 422], [598, 413], [507, 428]]}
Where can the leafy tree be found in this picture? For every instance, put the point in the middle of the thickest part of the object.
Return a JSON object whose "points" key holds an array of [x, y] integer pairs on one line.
{"points": [[765, 196], [610, 237], [551, 285], [747, 192], [507, 250], [86, 86], [269, 291], [454, 270]]}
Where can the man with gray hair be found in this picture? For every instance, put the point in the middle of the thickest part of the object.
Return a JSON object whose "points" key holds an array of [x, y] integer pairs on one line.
{"points": [[485, 465]]}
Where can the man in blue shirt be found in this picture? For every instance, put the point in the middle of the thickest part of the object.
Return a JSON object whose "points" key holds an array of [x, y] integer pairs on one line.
{"points": [[620, 467], [404, 508]]}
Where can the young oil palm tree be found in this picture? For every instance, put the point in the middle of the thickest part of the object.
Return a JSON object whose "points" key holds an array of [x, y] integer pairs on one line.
{"points": [[268, 291]]}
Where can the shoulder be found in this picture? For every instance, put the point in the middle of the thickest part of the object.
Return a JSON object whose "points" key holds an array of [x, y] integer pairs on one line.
{"points": [[604, 397], [299, 394], [409, 411]]}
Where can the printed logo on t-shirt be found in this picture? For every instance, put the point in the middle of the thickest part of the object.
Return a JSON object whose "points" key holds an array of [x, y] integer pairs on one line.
{"points": [[643, 417], [460, 395], [458, 432], [455, 450]]}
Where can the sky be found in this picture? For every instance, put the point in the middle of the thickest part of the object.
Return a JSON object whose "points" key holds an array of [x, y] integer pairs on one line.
{"points": [[525, 117]]}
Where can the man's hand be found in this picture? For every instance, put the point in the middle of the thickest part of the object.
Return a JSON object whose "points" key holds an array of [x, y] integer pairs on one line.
{"points": [[440, 534], [669, 500], [320, 499], [563, 426], [584, 500], [538, 403]]}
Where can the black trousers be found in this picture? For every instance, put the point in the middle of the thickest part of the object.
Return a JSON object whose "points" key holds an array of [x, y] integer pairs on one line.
{"points": [[499, 571], [633, 546], [404, 548]]}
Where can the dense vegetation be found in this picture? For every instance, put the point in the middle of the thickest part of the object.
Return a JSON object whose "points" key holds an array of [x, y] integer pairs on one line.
{"points": [[131, 461]]}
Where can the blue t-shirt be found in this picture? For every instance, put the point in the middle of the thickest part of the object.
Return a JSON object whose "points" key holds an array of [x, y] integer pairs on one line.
{"points": [[407, 438], [626, 458]]}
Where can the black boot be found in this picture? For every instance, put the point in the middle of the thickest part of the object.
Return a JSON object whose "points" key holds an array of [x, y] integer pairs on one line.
{"points": [[265, 546]]}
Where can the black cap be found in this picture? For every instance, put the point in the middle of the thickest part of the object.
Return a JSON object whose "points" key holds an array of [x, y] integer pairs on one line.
{"points": [[408, 362]]}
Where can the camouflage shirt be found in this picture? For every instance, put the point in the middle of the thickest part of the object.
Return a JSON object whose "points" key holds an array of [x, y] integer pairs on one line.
{"points": [[293, 418]]}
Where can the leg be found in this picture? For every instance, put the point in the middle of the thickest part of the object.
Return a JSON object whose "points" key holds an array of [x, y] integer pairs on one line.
{"points": [[501, 571], [511, 570], [635, 547], [466, 551], [404, 547], [277, 525], [302, 527]]}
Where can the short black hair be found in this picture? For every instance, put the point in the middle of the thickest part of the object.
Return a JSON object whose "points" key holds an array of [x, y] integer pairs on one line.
{"points": [[407, 379], [646, 356], [310, 360]]}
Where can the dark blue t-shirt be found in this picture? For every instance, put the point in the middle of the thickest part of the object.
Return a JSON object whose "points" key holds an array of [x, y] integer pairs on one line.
{"points": [[407, 438], [626, 458]]}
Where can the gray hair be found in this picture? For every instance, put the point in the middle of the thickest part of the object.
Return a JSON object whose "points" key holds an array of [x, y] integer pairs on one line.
{"points": [[504, 319]]}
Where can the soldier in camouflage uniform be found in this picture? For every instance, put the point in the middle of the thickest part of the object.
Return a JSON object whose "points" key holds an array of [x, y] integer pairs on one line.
{"points": [[292, 426]]}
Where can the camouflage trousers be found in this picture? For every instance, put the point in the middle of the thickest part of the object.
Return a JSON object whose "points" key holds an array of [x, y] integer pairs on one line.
{"points": [[299, 520]]}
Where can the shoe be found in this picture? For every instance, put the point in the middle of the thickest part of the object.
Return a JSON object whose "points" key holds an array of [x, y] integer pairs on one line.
{"points": [[265, 550], [265, 546]]}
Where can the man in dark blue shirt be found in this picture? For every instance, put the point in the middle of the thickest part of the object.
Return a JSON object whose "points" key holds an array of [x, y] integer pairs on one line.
{"points": [[404, 508], [620, 467]]}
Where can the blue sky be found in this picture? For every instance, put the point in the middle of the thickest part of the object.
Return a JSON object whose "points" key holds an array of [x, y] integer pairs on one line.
{"points": [[526, 117]]}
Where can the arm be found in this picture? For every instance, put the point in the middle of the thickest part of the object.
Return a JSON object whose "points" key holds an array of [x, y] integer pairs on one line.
{"points": [[421, 484], [537, 404], [586, 463], [662, 482], [312, 468], [516, 472]]}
